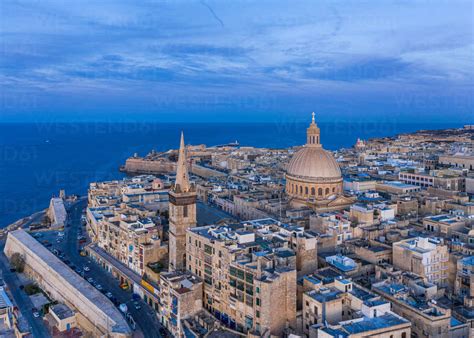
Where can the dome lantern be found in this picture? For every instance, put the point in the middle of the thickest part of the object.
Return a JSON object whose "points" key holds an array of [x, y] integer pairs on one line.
{"points": [[313, 134]]}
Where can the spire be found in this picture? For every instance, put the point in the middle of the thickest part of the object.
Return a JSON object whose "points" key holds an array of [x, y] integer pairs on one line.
{"points": [[182, 176], [313, 134]]}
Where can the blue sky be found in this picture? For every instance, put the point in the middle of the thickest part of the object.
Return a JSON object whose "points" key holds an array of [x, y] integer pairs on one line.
{"points": [[236, 60]]}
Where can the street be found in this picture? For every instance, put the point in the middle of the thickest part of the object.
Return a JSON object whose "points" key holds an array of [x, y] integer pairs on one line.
{"points": [[38, 329], [142, 313]]}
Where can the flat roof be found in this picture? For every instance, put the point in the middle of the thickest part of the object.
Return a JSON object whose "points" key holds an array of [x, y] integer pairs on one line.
{"points": [[376, 323], [73, 279]]}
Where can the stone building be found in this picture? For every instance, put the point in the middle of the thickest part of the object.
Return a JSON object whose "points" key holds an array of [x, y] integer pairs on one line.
{"points": [[249, 270], [313, 176], [180, 295], [182, 212], [427, 257], [428, 318], [346, 309]]}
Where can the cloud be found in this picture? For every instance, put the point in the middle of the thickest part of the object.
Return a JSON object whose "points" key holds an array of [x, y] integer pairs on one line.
{"points": [[295, 52]]}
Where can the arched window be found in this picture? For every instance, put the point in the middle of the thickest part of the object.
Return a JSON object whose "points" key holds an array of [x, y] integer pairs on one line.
{"points": [[320, 191], [301, 190], [327, 191], [313, 191], [333, 189], [306, 190]]}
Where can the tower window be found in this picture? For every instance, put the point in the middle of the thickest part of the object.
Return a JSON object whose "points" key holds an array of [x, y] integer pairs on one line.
{"points": [[185, 211]]}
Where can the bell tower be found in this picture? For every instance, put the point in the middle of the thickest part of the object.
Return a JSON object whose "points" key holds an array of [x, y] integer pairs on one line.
{"points": [[182, 212]]}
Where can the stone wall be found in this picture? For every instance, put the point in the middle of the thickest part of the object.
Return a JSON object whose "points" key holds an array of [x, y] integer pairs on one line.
{"points": [[48, 275]]}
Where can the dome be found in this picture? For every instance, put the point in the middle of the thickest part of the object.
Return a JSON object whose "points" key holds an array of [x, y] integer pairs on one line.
{"points": [[313, 163]]}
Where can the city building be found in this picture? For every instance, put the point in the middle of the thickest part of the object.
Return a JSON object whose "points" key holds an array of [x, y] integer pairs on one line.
{"points": [[249, 270], [427, 257]]}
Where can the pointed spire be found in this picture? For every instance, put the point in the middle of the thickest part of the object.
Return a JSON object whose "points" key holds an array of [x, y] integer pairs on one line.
{"points": [[312, 119], [182, 176]]}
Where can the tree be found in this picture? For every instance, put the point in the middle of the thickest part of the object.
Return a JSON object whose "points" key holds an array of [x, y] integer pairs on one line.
{"points": [[17, 262]]}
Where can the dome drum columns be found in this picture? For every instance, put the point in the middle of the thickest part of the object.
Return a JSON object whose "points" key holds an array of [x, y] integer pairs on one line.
{"points": [[313, 174]]}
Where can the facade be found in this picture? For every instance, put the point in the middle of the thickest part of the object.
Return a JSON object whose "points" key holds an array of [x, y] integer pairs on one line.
{"points": [[180, 297], [57, 212], [249, 270], [428, 319], [182, 212], [427, 257], [348, 310], [65, 317], [313, 176]]}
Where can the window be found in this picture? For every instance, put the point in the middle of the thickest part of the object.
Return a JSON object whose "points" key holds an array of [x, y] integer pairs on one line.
{"points": [[257, 301], [404, 335], [313, 191], [258, 290], [327, 191], [320, 191], [257, 313], [185, 211]]}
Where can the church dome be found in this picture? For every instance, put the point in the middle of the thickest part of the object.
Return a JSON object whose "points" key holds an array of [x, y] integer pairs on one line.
{"points": [[312, 163]]}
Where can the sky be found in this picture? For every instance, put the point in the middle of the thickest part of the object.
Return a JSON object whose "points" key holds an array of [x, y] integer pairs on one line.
{"points": [[219, 61]]}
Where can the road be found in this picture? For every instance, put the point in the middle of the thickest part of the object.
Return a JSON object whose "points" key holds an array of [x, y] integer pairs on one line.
{"points": [[38, 329], [145, 317]]}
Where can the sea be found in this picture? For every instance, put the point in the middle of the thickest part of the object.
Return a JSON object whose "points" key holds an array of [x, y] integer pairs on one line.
{"points": [[39, 159]]}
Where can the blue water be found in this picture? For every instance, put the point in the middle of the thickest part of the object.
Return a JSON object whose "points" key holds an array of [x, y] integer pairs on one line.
{"points": [[36, 160]]}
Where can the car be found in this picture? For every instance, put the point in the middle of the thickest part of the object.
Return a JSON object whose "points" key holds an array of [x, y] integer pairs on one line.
{"points": [[98, 287], [60, 234], [48, 245], [79, 270], [12, 270], [90, 280], [36, 314], [123, 308], [86, 268], [109, 295], [138, 306], [83, 253]]}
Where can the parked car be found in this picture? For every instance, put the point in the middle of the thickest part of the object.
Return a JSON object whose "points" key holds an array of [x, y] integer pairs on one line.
{"points": [[109, 295], [90, 280], [123, 308], [86, 268]]}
